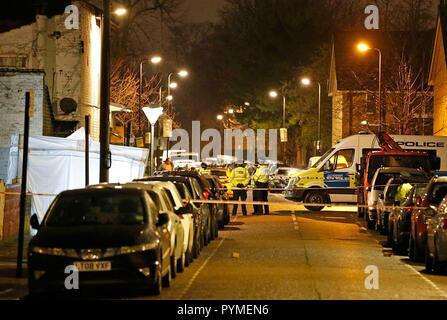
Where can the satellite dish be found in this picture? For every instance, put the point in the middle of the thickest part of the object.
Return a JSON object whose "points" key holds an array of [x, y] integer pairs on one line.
{"points": [[68, 105]]}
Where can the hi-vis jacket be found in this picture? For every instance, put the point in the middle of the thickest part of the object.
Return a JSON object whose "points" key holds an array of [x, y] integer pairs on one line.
{"points": [[262, 175], [239, 175]]}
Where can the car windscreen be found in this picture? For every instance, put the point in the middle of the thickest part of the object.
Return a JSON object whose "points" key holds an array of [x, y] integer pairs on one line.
{"points": [[97, 209], [438, 193], [323, 158], [393, 161], [283, 172]]}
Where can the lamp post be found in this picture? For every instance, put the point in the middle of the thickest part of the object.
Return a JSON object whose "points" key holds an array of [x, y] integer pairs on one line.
{"points": [[274, 94], [307, 82], [363, 47], [153, 114], [155, 60]]}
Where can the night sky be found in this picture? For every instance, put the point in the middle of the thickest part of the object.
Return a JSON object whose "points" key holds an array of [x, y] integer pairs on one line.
{"points": [[203, 10]]}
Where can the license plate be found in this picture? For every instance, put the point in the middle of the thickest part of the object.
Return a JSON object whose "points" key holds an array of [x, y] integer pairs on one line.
{"points": [[93, 266]]}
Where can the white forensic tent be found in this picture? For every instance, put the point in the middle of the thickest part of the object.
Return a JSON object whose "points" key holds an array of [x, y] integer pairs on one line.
{"points": [[58, 164]]}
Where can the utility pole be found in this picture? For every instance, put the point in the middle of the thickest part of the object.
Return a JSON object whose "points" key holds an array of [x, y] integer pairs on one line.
{"points": [[104, 128], [19, 269]]}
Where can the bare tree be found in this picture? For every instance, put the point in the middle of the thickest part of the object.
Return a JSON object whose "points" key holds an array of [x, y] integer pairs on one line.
{"points": [[407, 101], [125, 88]]}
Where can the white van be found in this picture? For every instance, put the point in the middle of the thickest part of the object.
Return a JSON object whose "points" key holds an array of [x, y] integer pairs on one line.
{"points": [[337, 168]]}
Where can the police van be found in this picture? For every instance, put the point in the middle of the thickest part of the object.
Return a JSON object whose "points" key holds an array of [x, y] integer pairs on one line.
{"points": [[333, 179]]}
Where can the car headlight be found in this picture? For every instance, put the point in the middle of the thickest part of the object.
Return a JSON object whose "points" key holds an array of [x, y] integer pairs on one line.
{"points": [[131, 249], [50, 251]]}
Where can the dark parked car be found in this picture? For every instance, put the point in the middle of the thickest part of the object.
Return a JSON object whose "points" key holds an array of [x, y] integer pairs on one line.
{"points": [[218, 193], [400, 220], [433, 194], [203, 190], [200, 213], [112, 236]]}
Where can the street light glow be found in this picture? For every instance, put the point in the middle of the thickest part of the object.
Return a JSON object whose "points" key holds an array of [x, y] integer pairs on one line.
{"points": [[156, 59], [363, 47], [273, 94], [305, 81], [173, 85], [170, 98], [247, 104], [120, 11], [231, 111], [220, 117], [183, 73]]}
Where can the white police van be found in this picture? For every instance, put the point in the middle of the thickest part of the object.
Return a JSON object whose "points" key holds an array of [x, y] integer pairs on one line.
{"points": [[337, 168]]}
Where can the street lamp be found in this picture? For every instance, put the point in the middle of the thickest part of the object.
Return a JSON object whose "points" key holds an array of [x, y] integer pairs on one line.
{"points": [[231, 111], [154, 60], [220, 117], [307, 82], [120, 11], [274, 94], [363, 48], [152, 115], [173, 85]]}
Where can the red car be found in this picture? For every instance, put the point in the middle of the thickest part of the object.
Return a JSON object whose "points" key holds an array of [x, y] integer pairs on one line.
{"points": [[432, 196]]}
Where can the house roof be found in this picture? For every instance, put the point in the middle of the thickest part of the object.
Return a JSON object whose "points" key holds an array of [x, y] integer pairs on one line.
{"points": [[440, 42], [352, 70]]}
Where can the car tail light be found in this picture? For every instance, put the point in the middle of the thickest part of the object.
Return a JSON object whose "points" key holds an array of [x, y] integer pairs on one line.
{"points": [[408, 210], [206, 194]]}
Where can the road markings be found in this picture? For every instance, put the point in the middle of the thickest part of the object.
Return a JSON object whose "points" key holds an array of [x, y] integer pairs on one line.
{"points": [[431, 283], [196, 274], [295, 223]]}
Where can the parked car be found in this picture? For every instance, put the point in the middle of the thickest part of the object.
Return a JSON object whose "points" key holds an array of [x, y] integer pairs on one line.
{"points": [[196, 193], [433, 194], [112, 236], [280, 179], [384, 205], [378, 183], [400, 219], [204, 191], [436, 249], [218, 193], [161, 199], [188, 210]]}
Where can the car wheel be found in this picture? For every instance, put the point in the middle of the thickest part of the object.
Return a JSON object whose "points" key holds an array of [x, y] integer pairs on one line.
{"points": [[412, 250], [173, 267], [371, 224], [428, 261], [390, 235], [188, 257], [314, 197], [181, 263], [166, 281], [156, 287]]}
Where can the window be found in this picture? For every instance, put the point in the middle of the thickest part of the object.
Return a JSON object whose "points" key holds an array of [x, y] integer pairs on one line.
{"points": [[343, 159], [13, 61], [96, 209]]}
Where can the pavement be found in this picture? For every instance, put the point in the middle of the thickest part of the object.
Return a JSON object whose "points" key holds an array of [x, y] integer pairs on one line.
{"points": [[294, 255], [11, 287]]}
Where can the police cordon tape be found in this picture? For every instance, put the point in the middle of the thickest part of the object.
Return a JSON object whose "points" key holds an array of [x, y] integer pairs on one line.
{"points": [[298, 204], [289, 205]]}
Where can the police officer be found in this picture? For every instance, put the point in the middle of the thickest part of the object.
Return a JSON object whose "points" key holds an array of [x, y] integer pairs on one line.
{"points": [[402, 192], [239, 179], [204, 169], [261, 181]]}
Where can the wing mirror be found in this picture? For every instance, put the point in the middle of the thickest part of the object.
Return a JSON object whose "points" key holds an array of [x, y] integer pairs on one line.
{"points": [[34, 221], [163, 219], [418, 201]]}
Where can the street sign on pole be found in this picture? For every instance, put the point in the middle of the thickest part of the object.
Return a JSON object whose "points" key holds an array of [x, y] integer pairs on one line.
{"points": [[283, 134]]}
